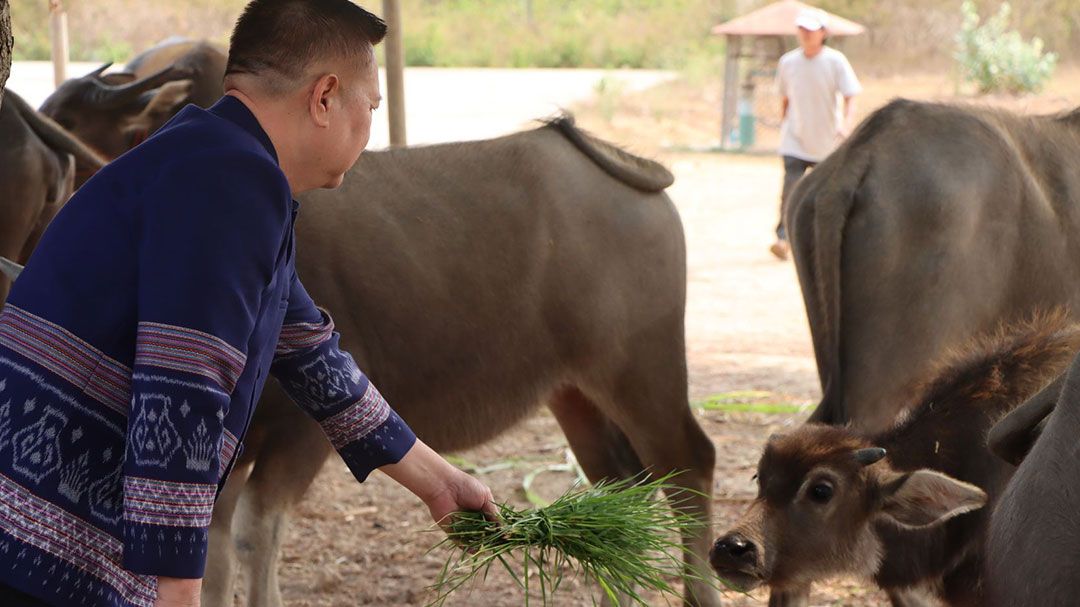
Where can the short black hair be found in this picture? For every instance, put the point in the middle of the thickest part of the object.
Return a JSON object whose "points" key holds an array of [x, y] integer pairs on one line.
{"points": [[284, 37]]}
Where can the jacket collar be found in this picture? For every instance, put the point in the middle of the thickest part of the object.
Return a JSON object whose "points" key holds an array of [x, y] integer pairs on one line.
{"points": [[232, 109]]}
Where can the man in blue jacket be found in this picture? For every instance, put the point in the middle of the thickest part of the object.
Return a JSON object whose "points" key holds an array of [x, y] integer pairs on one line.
{"points": [[134, 346]]}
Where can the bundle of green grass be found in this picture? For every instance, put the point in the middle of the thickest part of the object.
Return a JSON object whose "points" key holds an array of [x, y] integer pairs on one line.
{"points": [[618, 534]]}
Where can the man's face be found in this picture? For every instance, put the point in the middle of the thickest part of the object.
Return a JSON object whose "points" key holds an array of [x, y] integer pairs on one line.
{"points": [[811, 41], [350, 120]]}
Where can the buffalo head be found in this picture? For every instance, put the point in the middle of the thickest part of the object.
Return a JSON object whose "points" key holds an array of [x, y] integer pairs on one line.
{"points": [[114, 112], [821, 491]]}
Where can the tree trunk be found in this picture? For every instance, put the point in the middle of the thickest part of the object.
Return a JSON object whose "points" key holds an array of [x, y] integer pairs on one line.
{"points": [[6, 42]]}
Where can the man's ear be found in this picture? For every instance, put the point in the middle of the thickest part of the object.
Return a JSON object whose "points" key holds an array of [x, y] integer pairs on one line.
{"points": [[324, 93], [925, 497]]}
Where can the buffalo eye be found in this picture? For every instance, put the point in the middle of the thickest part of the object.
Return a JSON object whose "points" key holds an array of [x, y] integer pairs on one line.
{"points": [[821, 493]]}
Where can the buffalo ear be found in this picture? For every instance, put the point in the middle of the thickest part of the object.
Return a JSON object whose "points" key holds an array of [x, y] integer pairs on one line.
{"points": [[925, 497], [1014, 435], [166, 99], [159, 105]]}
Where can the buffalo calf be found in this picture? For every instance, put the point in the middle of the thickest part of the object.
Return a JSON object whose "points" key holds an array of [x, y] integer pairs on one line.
{"points": [[905, 507]]}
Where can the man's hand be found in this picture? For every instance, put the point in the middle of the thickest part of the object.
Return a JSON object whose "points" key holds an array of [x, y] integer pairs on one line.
{"points": [[849, 117], [177, 592], [443, 488], [462, 493]]}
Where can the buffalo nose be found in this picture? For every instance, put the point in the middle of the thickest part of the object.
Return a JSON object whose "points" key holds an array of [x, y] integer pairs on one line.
{"points": [[736, 547]]}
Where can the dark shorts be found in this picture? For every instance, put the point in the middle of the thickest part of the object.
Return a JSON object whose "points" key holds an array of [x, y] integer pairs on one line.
{"points": [[794, 169]]}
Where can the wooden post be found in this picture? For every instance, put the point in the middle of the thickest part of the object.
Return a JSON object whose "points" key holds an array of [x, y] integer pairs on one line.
{"points": [[59, 31], [395, 72], [528, 6], [731, 89]]}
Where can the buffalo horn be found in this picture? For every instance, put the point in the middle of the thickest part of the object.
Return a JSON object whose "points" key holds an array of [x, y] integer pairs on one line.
{"points": [[99, 71], [117, 95], [870, 455]]}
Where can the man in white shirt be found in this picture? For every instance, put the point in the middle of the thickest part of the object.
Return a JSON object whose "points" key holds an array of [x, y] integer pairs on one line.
{"points": [[809, 79]]}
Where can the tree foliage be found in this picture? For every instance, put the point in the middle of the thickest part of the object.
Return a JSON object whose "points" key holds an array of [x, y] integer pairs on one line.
{"points": [[997, 59]]}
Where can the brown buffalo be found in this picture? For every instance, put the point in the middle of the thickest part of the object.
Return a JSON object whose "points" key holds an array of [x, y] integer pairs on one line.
{"points": [[476, 282], [38, 163], [929, 226], [115, 112], [904, 507], [1032, 556]]}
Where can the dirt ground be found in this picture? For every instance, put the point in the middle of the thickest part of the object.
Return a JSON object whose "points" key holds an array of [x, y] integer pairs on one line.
{"points": [[746, 329]]}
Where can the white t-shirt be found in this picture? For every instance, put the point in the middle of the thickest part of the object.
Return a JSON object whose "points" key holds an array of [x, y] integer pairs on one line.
{"points": [[811, 86]]}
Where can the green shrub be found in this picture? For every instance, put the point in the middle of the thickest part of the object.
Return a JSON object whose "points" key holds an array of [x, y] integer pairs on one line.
{"points": [[997, 59], [422, 47]]}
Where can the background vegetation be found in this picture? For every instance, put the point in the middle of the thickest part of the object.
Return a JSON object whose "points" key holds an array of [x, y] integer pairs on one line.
{"points": [[998, 60], [559, 33]]}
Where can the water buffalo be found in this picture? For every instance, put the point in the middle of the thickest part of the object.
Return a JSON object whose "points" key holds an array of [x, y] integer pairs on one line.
{"points": [[1032, 556], [929, 226], [114, 112], [475, 282], [38, 163], [916, 520]]}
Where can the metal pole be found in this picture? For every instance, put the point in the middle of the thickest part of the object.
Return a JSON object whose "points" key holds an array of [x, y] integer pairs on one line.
{"points": [[59, 31], [395, 72]]}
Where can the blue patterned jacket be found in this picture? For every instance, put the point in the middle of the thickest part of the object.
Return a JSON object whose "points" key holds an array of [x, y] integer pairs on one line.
{"points": [[133, 349]]}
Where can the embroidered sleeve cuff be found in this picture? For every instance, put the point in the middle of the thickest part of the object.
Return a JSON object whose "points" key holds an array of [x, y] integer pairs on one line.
{"points": [[165, 551], [165, 526], [386, 444]]}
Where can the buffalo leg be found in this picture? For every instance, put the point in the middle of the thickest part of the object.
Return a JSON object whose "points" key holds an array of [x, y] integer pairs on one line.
{"points": [[599, 445], [221, 560], [601, 448], [288, 459], [648, 400], [798, 597]]}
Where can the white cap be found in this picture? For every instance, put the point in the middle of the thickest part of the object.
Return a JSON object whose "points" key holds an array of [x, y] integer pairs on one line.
{"points": [[812, 19]]}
